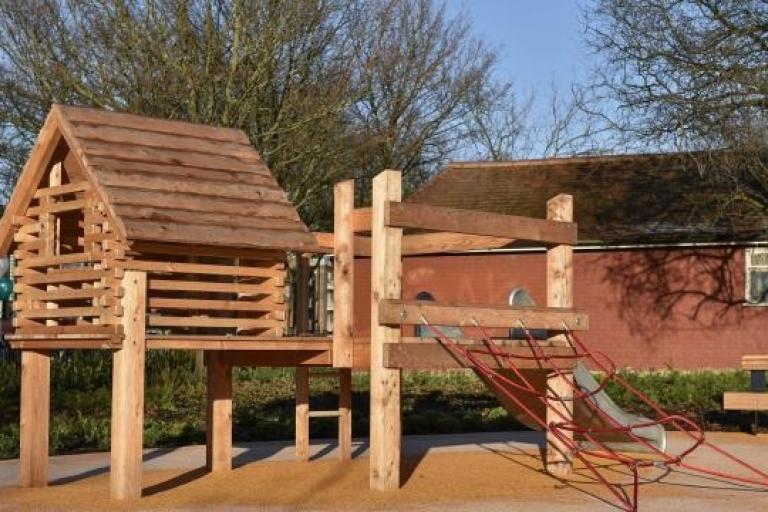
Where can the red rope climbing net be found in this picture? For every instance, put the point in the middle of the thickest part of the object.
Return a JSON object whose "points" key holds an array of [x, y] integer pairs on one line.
{"points": [[514, 385]]}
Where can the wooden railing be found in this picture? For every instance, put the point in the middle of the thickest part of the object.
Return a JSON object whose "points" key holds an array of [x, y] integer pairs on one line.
{"points": [[245, 297]]}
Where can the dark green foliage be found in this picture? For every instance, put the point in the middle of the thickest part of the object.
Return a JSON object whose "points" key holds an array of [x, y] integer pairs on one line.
{"points": [[433, 402]]}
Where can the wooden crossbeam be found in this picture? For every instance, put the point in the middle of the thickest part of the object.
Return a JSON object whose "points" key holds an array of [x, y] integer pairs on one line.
{"points": [[203, 286], [199, 268], [410, 312], [64, 276], [433, 356], [431, 243], [205, 321], [361, 220], [68, 312], [60, 190], [212, 304], [755, 362], [471, 222]]}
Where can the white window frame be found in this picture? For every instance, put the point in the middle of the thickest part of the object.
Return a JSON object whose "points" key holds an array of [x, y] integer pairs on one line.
{"points": [[749, 266]]}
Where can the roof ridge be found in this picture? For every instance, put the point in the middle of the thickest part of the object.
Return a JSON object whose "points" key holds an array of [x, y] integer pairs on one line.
{"points": [[573, 159]]}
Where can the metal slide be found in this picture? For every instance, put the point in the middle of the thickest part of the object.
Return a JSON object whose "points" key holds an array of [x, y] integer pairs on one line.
{"points": [[598, 430], [589, 415]]}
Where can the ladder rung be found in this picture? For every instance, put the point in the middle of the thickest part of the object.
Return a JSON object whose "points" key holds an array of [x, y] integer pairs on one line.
{"points": [[324, 414]]}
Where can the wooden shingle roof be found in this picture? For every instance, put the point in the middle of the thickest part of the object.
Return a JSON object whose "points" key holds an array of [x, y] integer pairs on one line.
{"points": [[169, 181]]}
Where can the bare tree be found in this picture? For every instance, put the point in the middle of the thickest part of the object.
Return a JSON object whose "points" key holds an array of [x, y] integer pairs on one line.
{"points": [[691, 75], [325, 89], [505, 128], [418, 70]]}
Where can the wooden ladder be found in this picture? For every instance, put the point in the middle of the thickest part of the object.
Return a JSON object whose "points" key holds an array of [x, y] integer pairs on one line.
{"points": [[343, 413]]}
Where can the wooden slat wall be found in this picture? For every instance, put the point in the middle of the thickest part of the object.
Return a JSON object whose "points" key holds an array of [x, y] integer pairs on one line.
{"points": [[67, 272], [212, 294]]}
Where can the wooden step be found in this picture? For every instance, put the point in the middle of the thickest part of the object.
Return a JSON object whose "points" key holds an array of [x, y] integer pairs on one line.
{"points": [[324, 414]]}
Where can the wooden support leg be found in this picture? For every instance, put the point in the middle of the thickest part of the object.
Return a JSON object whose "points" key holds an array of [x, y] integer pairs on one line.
{"points": [[218, 455], [560, 294], [302, 413], [345, 413], [559, 457], [35, 414], [128, 392], [386, 266]]}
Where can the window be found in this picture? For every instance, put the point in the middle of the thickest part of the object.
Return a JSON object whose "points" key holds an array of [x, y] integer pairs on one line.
{"points": [[424, 296], [422, 331], [756, 275], [521, 298]]}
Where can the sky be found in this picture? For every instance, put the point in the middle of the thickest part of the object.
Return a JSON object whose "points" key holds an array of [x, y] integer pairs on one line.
{"points": [[541, 41]]}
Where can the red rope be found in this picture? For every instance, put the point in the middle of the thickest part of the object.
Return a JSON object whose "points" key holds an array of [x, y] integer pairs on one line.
{"points": [[565, 429]]}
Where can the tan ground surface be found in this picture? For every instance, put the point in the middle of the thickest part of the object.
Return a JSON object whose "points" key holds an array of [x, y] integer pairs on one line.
{"points": [[506, 479]]}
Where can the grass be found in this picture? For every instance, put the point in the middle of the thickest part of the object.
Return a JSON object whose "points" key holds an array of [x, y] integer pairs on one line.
{"points": [[433, 402]]}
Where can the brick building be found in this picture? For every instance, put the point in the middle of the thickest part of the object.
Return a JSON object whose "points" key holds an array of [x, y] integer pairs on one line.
{"points": [[669, 279]]}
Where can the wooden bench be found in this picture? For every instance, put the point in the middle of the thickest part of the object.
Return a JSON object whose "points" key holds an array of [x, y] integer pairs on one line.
{"points": [[757, 398]]}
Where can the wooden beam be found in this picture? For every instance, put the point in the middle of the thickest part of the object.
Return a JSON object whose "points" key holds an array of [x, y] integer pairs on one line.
{"points": [[472, 222], [343, 273], [263, 305], [754, 362], [63, 343], [432, 243], [745, 401], [176, 249], [255, 343], [128, 392], [386, 270], [35, 417], [345, 413], [321, 298], [560, 295], [433, 356], [211, 287], [277, 358], [169, 267], [218, 454], [361, 219], [241, 324], [301, 311], [325, 244], [302, 413], [410, 312]]}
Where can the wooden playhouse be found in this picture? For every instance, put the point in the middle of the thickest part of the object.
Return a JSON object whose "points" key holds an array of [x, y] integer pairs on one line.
{"points": [[132, 234]]}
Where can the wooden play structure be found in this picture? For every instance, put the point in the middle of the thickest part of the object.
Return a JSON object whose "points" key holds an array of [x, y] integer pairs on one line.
{"points": [[132, 234]]}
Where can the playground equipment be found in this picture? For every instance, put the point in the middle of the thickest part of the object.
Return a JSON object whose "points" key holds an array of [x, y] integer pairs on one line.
{"points": [[134, 234], [756, 399]]}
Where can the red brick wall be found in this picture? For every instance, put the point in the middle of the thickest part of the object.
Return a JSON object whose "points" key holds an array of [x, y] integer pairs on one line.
{"points": [[681, 308]]}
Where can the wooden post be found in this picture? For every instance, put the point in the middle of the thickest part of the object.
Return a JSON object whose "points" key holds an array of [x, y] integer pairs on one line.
{"points": [[128, 391], [560, 294], [302, 413], [321, 299], [218, 455], [343, 273], [35, 413], [345, 413], [385, 382], [301, 314]]}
